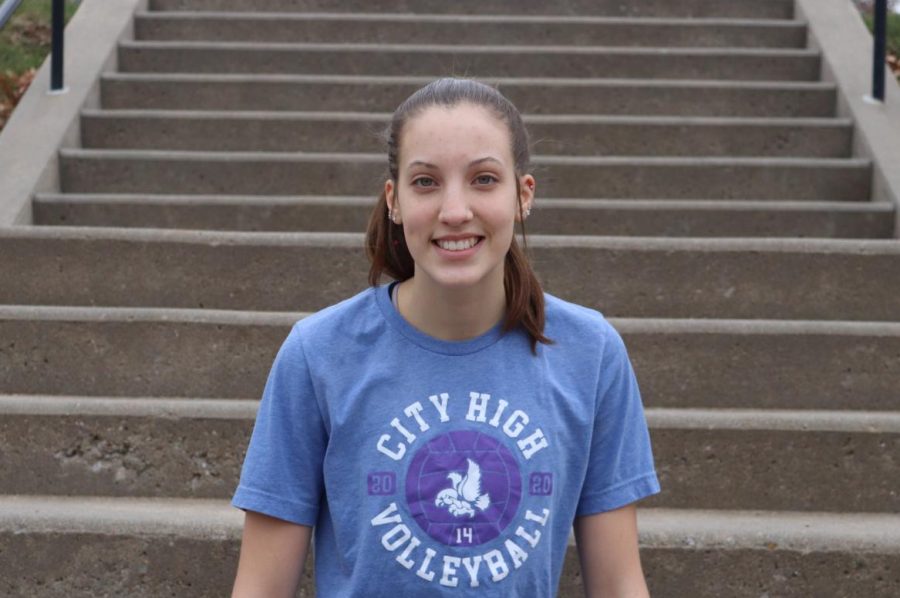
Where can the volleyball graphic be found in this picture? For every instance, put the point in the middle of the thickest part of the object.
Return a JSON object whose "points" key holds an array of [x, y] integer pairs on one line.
{"points": [[463, 488]]}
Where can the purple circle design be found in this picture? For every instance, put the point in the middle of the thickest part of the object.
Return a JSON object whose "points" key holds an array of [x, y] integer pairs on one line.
{"points": [[432, 493]]}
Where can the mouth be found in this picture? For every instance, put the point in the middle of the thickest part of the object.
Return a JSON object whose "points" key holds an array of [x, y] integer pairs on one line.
{"points": [[458, 244]]}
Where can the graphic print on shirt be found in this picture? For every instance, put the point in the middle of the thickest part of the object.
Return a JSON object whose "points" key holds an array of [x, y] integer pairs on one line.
{"points": [[463, 514], [463, 489], [464, 492]]}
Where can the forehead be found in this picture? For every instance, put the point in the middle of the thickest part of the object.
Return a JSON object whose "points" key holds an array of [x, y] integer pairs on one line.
{"points": [[444, 134]]}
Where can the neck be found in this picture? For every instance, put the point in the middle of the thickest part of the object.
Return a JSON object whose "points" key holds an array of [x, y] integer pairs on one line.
{"points": [[451, 314]]}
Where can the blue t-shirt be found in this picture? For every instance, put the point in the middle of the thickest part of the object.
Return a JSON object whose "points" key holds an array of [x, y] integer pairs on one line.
{"points": [[432, 467]]}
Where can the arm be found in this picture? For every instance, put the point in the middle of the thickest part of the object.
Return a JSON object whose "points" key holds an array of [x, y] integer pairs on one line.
{"points": [[608, 550], [282, 479], [273, 552]]}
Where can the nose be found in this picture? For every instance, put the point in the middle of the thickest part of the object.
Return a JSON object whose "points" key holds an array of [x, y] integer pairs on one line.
{"points": [[455, 209]]}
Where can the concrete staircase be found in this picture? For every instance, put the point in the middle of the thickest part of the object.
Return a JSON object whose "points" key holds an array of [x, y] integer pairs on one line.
{"points": [[695, 185]]}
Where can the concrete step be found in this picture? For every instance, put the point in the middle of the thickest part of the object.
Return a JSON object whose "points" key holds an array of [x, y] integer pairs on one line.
{"points": [[96, 446], [756, 554], [706, 458], [754, 9], [838, 461], [141, 352], [467, 29], [807, 279], [271, 173], [154, 547], [742, 64], [613, 217], [551, 135], [531, 96], [76, 547]]}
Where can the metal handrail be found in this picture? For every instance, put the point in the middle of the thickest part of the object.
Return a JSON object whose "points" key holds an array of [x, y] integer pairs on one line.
{"points": [[56, 49], [879, 49], [7, 9]]}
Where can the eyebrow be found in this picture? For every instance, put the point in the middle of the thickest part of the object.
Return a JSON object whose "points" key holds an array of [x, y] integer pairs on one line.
{"points": [[472, 163]]}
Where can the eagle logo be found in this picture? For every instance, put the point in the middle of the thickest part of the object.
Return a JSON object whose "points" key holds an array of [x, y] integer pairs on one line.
{"points": [[464, 492]]}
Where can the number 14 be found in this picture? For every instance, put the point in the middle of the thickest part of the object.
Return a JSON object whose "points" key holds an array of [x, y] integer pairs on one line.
{"points": [[463, 532]]}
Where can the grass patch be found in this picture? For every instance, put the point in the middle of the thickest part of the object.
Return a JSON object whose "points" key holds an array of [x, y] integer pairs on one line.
{"points": [[25, 39], [893, 30], [24, 44]]}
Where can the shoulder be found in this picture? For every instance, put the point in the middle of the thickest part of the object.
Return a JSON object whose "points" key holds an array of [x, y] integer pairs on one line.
{"points": [[583, 338], [577, 326], [585, 345], [341, 322]]}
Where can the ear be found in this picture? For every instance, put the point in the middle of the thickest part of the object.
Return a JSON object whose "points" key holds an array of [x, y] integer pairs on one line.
{"points": [[392, 205], [526, 194]]}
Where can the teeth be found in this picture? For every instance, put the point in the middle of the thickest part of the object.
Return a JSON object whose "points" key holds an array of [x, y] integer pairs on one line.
{"points": [[458, 245]]}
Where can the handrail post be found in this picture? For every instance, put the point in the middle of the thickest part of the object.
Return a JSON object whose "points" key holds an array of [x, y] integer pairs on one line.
{"points": [[879, 51], [56, 51]]}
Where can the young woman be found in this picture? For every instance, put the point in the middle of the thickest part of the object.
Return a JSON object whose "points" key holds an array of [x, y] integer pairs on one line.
{"points": [[442, 434]]}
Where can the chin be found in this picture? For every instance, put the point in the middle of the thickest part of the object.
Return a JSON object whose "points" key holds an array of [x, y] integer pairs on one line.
{"points": [[463, 280]]}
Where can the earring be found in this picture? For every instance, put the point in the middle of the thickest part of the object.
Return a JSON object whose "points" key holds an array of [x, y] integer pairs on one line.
{"points": [[527, 212], [392, 215]]}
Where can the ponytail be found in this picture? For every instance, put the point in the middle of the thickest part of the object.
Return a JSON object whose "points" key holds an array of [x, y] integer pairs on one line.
{"points": [[524, 297]]}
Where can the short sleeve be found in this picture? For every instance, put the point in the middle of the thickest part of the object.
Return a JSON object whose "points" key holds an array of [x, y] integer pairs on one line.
{"points": [[620, 469], [282, 472]]}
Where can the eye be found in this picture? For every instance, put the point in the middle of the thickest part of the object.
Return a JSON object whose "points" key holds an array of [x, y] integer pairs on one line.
{"points": [[423, 182], [485, 179]]}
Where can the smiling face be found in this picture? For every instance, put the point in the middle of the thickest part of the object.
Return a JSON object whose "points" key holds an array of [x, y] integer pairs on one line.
{"points": [[455, 195]]}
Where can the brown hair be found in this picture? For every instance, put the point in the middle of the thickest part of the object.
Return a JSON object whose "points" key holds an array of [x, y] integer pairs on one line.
{"points": [[385, 243]]}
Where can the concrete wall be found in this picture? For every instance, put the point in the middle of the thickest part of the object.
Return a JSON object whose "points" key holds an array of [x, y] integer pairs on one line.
{"points": [[43, 122], [836, 30]]}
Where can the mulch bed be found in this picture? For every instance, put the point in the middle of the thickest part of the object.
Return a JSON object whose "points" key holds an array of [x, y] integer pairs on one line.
{"points": [[12, 88]]}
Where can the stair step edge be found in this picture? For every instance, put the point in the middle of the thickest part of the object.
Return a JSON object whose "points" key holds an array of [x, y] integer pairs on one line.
{"points": [[625, 325], [547, 204], [659, 528], [443, 18], [811, 421]]}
